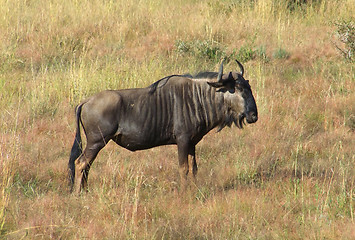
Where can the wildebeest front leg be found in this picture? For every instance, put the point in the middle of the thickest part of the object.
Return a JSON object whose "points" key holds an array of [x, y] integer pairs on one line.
{"points": [[187, 162], [183, 152]]}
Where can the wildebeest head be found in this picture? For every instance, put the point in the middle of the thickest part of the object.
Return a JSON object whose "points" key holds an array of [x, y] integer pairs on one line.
{"points": [[237, 95]]}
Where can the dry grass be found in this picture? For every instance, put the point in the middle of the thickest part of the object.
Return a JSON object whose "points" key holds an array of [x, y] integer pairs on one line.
{"points": [[289, 176]]}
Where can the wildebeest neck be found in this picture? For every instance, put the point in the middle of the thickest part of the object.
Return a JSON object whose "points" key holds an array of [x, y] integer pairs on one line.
{"points": [[197, 106]]}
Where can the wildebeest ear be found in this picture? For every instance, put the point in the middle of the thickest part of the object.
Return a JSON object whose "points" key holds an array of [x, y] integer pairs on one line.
{"points": [[216, 84]]}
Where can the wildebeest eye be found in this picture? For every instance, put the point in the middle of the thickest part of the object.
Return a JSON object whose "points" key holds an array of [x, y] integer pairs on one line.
{"points": [[239, 87]]}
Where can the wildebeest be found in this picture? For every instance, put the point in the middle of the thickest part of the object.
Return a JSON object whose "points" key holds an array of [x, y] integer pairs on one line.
{"points": [[178, 109]]}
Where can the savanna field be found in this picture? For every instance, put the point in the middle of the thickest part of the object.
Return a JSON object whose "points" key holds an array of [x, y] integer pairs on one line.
{"points": [[291, 175]]}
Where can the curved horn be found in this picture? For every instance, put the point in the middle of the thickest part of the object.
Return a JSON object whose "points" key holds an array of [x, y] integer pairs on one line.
{"points": [[220, 73], [241, 67]]}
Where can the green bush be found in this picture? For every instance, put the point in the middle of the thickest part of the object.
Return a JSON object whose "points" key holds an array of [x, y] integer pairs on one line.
{"points": [[208, 49], [261, 53], [245, 53], [199, 48], [215, 51], [346, 35], [281, 53]]}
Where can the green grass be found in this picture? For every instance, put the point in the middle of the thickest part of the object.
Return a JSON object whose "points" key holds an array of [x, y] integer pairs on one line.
{"points": [[289, 176]]}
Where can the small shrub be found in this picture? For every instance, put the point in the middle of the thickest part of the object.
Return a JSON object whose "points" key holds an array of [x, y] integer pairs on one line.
{"points": [[280, 53], [293, 5], [215, 51], [208, 49], [198, 48], [227, 7], [182, 46], [346, 35], [351, 122], [260, 53], [245, 54]]}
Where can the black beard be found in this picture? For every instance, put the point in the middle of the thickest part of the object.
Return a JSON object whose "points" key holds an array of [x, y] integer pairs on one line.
{"points": [[230, 119], [240, 121]]}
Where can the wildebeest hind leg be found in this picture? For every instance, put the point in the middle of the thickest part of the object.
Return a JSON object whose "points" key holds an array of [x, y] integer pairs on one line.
{"points": [[83, 164]]}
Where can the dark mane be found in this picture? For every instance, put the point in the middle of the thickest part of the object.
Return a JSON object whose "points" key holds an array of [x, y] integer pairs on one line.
{"points": [[161, 82], [209, 75]]}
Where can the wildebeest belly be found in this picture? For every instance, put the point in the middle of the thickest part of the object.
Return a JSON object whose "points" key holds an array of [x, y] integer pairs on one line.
{"points": [[140, 141], [138, 134], [145, 122]]}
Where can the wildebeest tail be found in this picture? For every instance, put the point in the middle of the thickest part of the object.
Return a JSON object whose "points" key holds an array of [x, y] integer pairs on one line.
{"points": [[77, 148]]}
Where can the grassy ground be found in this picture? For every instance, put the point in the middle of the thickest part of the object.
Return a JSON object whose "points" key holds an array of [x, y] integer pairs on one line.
{"points": [[289, 176]]}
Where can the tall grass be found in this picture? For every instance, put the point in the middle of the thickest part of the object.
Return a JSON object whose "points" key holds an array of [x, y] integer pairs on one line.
{"points": [[9, 155], [289, 176], [5, 183]]}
